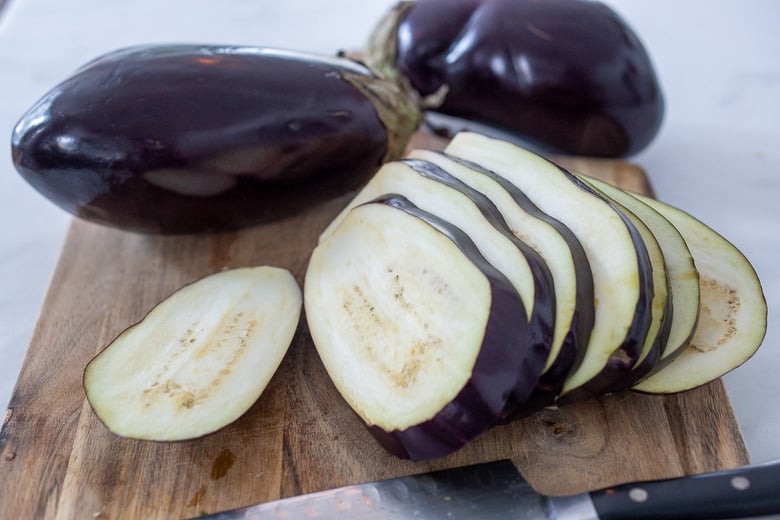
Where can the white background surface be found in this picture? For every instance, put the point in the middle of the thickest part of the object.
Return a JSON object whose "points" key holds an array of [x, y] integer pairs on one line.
{"points": [[717, 156]]}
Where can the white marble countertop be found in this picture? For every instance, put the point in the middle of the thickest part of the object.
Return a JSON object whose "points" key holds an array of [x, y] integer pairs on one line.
{"points": [[717, 156]]}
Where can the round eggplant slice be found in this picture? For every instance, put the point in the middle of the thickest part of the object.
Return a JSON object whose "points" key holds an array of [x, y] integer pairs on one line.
{"points": [[681, 270], [418, 332], [621, 270], [199, 359], [434, 190], [559, 249], [195, 138], [732, 314]]}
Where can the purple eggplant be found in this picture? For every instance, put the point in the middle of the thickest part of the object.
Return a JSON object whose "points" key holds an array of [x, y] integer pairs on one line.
{"points": [[568, 76], [193, 138]]}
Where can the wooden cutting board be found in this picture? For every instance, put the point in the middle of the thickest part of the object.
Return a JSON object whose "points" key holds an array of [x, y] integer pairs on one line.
{"points": [[58, 461]]}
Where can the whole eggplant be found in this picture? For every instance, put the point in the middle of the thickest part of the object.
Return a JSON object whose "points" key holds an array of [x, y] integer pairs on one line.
{"points": [[567, 76], [194, 138]]}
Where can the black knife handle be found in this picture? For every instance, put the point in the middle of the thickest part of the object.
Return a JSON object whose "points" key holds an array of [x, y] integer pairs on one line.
{"points": [[743, 492]]}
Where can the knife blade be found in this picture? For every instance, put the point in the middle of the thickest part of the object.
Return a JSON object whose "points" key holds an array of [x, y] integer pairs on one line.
{"points": [[497, 490]]}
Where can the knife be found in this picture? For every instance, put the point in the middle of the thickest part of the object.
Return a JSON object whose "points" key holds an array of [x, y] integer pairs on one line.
{"points": [[496, 490]]}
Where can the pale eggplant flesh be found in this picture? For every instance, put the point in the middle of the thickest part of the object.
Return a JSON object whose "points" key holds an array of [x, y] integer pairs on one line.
{"points": [[622, 279], [543, 315], [642, 258], [199, 359], [659, 307], [647, 331], [733, 312], [563, 253], [455, 207], [418, 332], [681, 270], [434, 190]]}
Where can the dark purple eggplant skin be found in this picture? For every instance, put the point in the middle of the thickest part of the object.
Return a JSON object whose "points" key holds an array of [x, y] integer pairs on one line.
{"points": [[501, 363], [563, 76], [650, 362], [198, 138]]}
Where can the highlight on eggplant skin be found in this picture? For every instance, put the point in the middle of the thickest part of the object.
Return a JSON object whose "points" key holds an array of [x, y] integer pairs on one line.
{"points": [[192, 138], [564, 76]]}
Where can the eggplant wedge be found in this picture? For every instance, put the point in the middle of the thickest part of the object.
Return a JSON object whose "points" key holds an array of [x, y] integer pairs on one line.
{"points": [[732, 315], [622, 274], [680, 268], [434, 190], [199, 359], [563, 253], [386, 298]]}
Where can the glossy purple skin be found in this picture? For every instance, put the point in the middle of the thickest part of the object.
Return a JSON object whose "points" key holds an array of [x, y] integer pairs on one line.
{"points": [[501, 363], [187, 138], [568, 76], [572, 349]]}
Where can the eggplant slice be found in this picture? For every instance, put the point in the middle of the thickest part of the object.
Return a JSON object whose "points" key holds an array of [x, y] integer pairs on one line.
{"points": [[733, 311], [661, 311], [681, 270], [434, 190], [199, 359], [619, 263], [418, 332], [564, 255]]}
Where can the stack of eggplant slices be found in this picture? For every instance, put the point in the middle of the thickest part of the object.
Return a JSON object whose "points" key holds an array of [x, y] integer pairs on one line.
{"points": [[465, 288]]}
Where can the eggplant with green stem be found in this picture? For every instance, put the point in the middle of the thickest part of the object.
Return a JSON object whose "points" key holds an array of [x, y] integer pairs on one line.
{"points": [[569, 76], [194, 138]]}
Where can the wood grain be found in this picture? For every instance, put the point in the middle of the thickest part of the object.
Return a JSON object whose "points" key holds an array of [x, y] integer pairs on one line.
{"points": [[58, 461]]}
